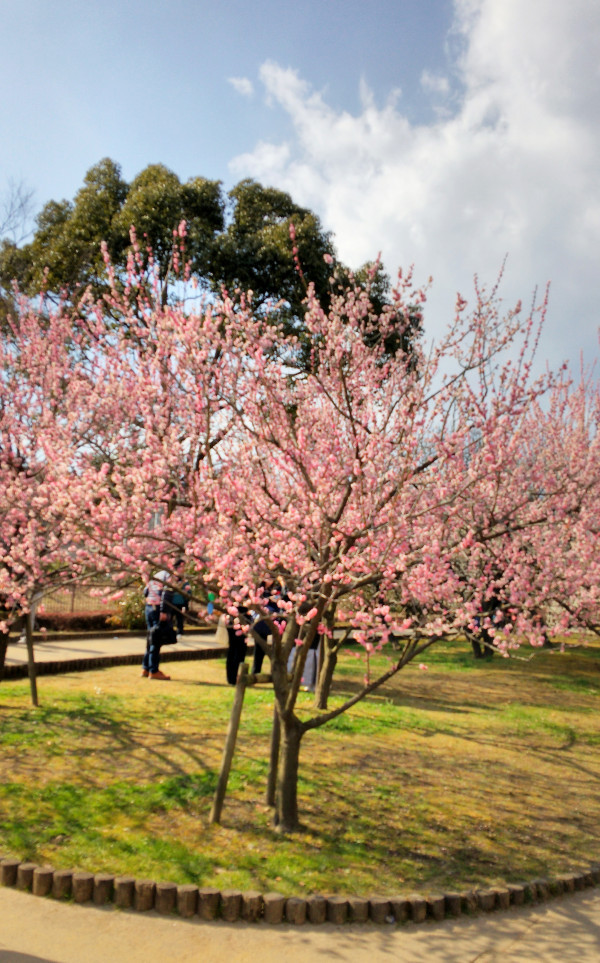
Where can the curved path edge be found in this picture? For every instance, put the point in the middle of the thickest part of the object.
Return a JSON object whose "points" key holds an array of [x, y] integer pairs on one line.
{"points": [[206, 903], [88, 663], [48, 931]]}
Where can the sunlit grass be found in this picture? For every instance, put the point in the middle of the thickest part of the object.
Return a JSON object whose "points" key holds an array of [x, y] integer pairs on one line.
{"points": [[472, 772]]}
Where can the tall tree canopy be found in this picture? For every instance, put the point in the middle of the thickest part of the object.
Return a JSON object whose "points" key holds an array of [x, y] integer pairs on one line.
{"points": [[254, 238], [238, 241], [65, 252], [255, 251]]}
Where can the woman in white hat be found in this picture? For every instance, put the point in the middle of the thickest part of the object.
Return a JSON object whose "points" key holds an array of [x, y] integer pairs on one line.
{"points": [[159, 608]]}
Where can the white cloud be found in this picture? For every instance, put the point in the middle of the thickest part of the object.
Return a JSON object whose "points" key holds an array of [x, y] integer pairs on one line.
{"points": [[435, 83], [242, 85], [513, 169]]}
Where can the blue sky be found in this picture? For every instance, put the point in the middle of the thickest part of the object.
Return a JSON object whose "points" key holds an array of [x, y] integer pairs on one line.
{"points": [[444, 133], [143, 82]]}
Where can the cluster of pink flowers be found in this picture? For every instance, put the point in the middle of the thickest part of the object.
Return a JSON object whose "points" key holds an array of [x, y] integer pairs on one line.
{"points": [[397, 491]]}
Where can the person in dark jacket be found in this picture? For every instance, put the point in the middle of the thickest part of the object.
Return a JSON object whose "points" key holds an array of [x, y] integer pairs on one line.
{"points": [[181, 595], [237, 645], [159, 608]]}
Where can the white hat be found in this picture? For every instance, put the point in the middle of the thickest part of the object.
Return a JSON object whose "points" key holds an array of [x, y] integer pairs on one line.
{"points": [[162, 576]]}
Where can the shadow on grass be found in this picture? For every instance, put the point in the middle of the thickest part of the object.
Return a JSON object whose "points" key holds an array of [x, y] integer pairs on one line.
{"points": [[379, 791], [95, 733], [519, 735]]}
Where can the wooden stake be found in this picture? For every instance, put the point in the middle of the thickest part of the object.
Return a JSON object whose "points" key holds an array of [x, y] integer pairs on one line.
{"points": [[234, 724], [274, 758], [31, 668]]}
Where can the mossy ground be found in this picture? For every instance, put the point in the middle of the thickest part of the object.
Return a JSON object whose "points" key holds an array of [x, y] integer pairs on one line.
{"points": [[468, 773]]}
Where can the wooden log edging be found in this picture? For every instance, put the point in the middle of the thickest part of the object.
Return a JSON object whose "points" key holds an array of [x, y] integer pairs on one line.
{"points": [[12, 672], [188, 901]]}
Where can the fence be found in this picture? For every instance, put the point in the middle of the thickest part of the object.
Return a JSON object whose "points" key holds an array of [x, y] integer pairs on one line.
{"points": [[82, 599]]}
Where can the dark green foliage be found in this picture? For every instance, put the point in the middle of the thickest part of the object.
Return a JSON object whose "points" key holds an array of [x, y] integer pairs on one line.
{"points": [[255, 252], [65, 253], [157, 202], [239, 243]]}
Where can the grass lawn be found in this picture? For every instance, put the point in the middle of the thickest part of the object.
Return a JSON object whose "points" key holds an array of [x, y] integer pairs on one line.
{"points": [[469, 773]]}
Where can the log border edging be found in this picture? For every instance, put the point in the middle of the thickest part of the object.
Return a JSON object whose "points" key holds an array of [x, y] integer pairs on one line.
{"points": [[57, 667], [206, 903]]}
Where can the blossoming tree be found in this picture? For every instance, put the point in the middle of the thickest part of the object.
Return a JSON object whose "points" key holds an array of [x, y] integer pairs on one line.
{"points": [[390, 493], [40, 427]]}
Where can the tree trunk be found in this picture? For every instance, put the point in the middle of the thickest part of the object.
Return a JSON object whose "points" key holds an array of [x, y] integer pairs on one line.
{"points": [[273, 759], [3, 647], [30, 657], [328, 664], [286, 795]]}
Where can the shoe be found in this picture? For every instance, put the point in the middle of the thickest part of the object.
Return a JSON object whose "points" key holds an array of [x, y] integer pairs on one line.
{"points": [[159, 675], [145, 673]]}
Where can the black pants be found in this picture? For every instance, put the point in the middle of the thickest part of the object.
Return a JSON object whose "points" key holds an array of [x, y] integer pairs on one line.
{"points": [[236, 653], [237, 649], [262, 629]]}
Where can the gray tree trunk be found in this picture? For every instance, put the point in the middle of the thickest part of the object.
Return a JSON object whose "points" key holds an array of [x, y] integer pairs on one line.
{"points": [[286, 794], [31, 667], [327, 669]]}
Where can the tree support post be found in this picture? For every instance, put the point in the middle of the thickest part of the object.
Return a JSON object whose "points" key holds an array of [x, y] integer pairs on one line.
{"points": [[234, 724], [30, 657], [274, 758], [4, 636]]}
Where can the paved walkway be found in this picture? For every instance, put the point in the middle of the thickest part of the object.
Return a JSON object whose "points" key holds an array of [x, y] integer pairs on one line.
{"points": [[40, 930], [108, 645]]}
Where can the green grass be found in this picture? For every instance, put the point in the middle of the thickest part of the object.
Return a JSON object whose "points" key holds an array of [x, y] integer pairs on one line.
{"points": [[469, 773]]}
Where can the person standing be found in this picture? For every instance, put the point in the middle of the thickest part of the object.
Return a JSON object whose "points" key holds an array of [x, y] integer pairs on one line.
{"points": [[181, 594], [236, 653], [273, 593], [237, 646], [159, 608]]}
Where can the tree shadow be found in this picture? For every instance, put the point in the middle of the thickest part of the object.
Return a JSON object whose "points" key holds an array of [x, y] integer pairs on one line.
{"points": [[12, 956]]}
